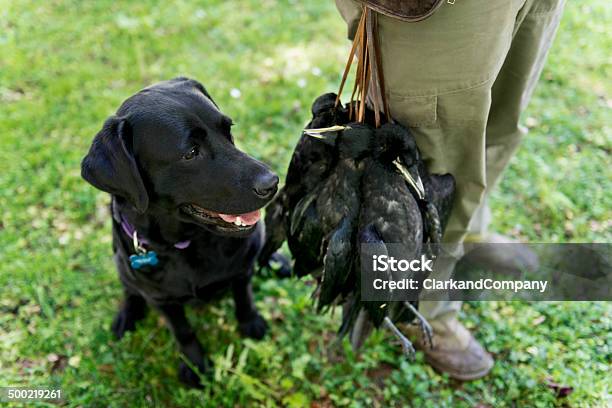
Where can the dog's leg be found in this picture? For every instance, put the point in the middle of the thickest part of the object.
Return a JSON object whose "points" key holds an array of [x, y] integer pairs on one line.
{"points": [[188, 345], [250, 322], [133, 309]]}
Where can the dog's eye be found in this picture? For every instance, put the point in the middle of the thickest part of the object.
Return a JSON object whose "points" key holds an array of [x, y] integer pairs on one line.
{"points": [[191, 154]]}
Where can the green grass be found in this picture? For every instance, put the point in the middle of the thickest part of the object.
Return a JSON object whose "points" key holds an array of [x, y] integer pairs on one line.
{"points": [[66, 65]]}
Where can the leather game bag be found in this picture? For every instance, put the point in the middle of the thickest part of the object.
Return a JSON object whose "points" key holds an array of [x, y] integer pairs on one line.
{"points": [[405, 10]]}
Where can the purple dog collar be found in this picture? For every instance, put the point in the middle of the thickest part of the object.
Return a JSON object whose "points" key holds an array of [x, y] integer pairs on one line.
{"points": [[129, 230]]}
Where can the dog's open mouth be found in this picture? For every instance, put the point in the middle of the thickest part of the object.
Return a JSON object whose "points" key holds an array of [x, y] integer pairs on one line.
{"points": [[227, 222]]}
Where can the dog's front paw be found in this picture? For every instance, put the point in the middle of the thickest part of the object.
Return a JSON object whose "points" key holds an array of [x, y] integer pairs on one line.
{"points": [[123, 323], [254, 328], [189, 377], [133, 310]]}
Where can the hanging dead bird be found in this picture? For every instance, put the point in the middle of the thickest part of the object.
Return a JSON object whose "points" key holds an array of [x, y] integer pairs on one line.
{"points": [[338, 203], [389, 213], [349, 184], [322, 224], [432, 195], [309, 165]]}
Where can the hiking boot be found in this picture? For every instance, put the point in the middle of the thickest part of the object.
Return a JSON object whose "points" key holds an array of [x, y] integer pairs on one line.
{"points": [[455, 351]]}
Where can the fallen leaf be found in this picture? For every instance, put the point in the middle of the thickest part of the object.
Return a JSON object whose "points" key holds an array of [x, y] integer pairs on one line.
{"points": [[74, 361]]}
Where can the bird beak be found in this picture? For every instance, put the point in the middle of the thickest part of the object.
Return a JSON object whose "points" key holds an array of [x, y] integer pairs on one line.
{"points": [[327, 135], [412, 176], [318, 132]]}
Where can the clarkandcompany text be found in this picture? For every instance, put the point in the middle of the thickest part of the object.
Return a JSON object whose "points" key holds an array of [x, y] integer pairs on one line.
{"points": [[452, 284]]}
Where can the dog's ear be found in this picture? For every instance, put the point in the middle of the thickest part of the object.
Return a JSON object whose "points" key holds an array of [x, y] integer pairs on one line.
{"points": [[110, 164], [201, 88]]}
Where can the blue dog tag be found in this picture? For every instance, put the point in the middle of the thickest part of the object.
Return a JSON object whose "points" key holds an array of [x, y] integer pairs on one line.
{"points": [[139, 260]]}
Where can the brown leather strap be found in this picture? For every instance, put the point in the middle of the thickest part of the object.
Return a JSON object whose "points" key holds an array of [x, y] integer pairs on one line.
{"points": [[379, 69], [369, 74], [349, 62], [374, 84]]}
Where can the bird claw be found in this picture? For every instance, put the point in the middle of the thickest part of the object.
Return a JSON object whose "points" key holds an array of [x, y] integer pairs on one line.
{"points": [[407, 346], [426, 328]]}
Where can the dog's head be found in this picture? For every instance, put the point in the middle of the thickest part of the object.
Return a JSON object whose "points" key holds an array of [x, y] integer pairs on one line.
{"points": [[170, 147]]}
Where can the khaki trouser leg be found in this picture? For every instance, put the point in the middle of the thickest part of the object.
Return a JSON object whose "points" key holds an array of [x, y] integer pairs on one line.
{"points": [[460, 81], [535, 29]]}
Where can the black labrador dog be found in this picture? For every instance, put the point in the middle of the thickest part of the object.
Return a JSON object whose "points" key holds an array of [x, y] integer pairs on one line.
{"points": [[185, 206]]}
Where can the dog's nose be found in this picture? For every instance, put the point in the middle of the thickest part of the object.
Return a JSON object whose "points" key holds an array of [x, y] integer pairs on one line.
{"points": [[266, 185]]}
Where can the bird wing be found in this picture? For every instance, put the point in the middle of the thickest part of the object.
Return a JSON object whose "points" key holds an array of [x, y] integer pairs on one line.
{"points": [[297, 217], [375, 246], [337, 262]]}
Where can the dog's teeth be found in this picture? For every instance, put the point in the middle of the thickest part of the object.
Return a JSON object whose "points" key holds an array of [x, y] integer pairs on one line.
{"points": [[238, 222]]}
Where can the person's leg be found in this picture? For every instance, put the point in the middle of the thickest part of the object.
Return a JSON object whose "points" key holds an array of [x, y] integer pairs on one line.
{"points": [[512, 90], [534, 31]]}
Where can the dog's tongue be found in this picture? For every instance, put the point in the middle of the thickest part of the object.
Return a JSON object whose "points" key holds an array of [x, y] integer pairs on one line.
{"points": [[247, 219]]}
